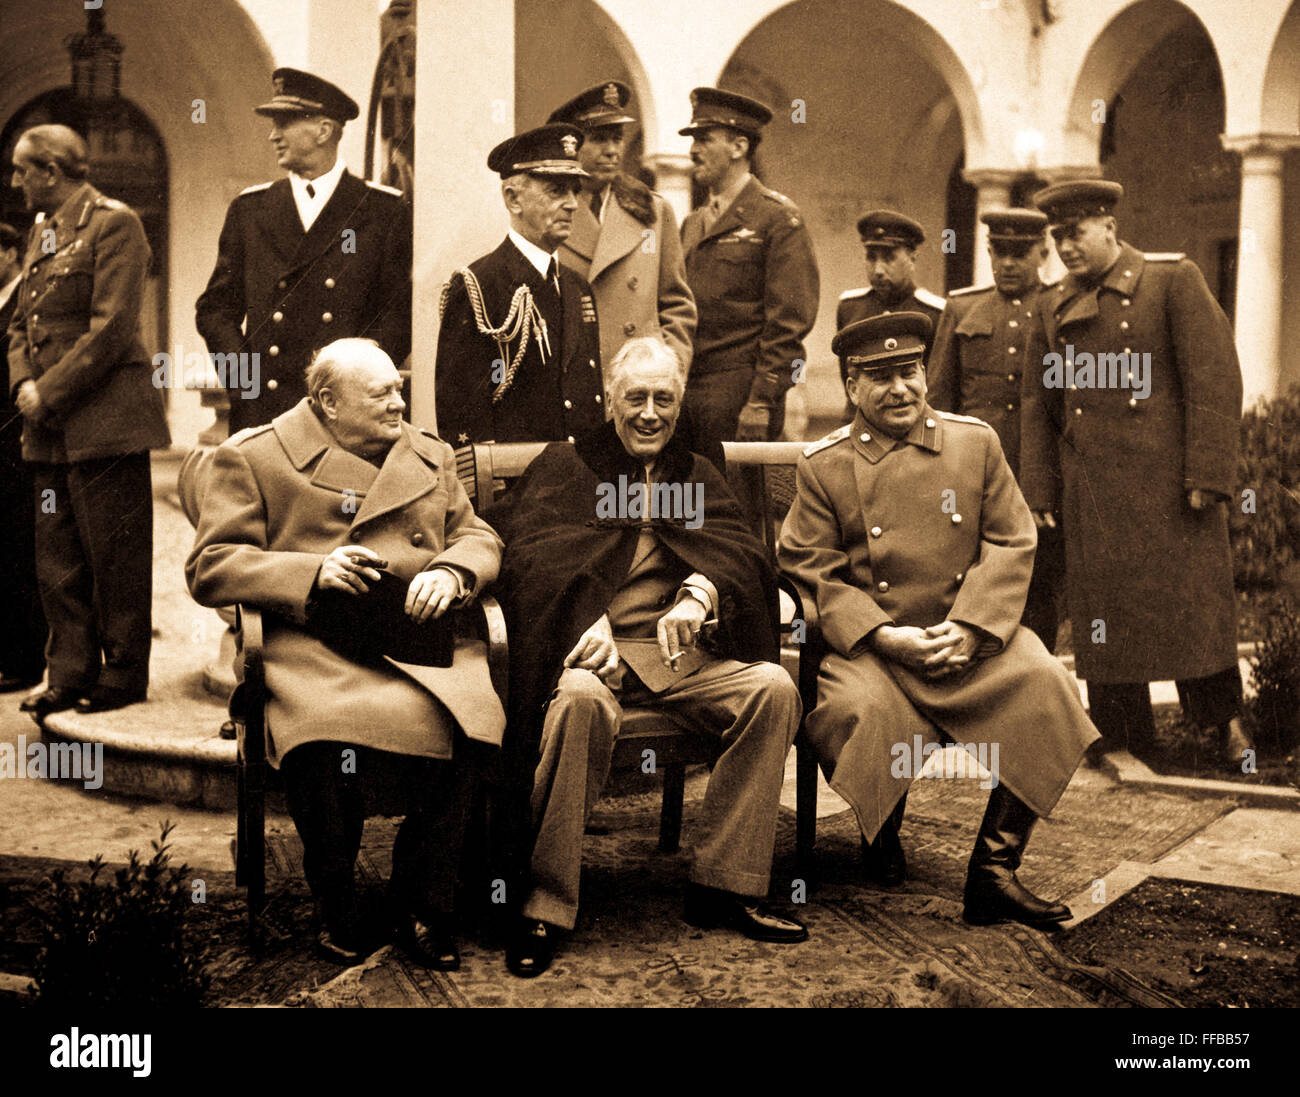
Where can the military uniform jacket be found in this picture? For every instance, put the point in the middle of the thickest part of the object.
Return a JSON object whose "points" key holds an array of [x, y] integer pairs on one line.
{"points": [[282, 293], [554, 396], [75, 332], [633, 261], [755, 282], [1138, 558], [910, 533], [979, 356], [278, 499], [864, 303]]}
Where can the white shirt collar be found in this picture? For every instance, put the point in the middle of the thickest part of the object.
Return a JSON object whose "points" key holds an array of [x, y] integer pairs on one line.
{"points": [[324, 185], [7, 290], [535, 255]]}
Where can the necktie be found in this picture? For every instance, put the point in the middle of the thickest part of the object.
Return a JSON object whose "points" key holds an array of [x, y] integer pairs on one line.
{"points": [[311, 191], [553, 277], [597, 202], [711, 214]]}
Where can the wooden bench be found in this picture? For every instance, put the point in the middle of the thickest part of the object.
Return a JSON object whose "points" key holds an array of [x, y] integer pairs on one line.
{"points": [[486, 470]]}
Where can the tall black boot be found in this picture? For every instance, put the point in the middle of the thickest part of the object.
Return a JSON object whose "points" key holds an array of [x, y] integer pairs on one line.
{"points": [[993, 894], [883, 859]]}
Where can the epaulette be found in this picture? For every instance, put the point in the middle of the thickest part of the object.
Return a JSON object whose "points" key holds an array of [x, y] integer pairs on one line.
{"points": [[964, 291], [830, 440], [254, 188], [962, 418], [386, 189], [240, 437], [104, 202], [928, 298], [781, 200], [850, 294], [635, 197], [1164, 256]]}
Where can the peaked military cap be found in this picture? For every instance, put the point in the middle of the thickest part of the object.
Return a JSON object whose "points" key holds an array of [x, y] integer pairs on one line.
{"points": [[714, 107], [603, 105], [547, 150], [885, 340], [1077, 199], [298, 92], [890, 229], [1015, 225]]}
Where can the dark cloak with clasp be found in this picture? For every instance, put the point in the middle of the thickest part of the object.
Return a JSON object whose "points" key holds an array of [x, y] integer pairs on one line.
{"points": [[563, 565]]}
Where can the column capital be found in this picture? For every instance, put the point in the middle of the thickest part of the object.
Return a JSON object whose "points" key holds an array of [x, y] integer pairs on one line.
{"points": [[992, 177], [670, 166], [1260, 144], [1061, 172]]}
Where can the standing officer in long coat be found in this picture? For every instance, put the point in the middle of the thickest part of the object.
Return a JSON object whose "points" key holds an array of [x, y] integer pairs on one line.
{"points": [[83, 383], [909, 531], [624, 241], [519, 346], [988, 336], [320, 501], [318, 256], [750, 264], [1132, 431]]}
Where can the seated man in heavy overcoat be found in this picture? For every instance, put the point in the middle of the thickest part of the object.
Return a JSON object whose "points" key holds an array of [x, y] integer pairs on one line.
{"points": [[334, 499], [910, 532]]}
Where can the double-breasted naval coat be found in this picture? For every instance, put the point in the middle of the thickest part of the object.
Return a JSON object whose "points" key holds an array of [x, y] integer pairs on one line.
{"points": [[555, 393], [75, 332], [282, 293], [755, 280], [633, 262], [915, 532], [279, 498], [1148, 579]]}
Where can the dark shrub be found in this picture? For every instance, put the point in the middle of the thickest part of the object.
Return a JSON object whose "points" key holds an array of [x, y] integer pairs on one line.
{"points": [[120, 943]]}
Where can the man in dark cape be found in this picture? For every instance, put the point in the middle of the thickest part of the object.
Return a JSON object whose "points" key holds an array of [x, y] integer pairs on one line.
{"points": [[618, 550]]}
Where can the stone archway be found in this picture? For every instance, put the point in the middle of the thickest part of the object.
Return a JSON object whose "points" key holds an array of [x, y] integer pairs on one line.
{"points": [[198, 101], [1152, 118], [845, 137]]}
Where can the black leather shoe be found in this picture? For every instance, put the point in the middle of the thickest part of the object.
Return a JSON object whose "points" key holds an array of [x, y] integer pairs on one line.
{"points": [[431, 943], [709, 908], [12, 683], [993, 893], [993, 900], [338, 950], [108, 698], [531, 950], [54, 699]]}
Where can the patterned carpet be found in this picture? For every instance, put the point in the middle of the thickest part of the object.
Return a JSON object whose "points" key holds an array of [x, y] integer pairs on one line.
{"points": [[868, 947]]}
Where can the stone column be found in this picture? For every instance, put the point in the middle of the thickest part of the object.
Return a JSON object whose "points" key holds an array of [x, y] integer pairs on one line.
{"points": [[994, 187], [1259, 261], [459, 214], [673, 180]]}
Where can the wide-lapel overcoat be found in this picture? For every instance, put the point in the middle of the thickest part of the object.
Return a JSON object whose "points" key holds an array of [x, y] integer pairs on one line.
{"points": [[278, 499], [633, 262]]}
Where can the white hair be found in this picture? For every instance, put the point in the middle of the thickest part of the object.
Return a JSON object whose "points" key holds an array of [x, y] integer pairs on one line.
{"points": [[645, 348]]}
